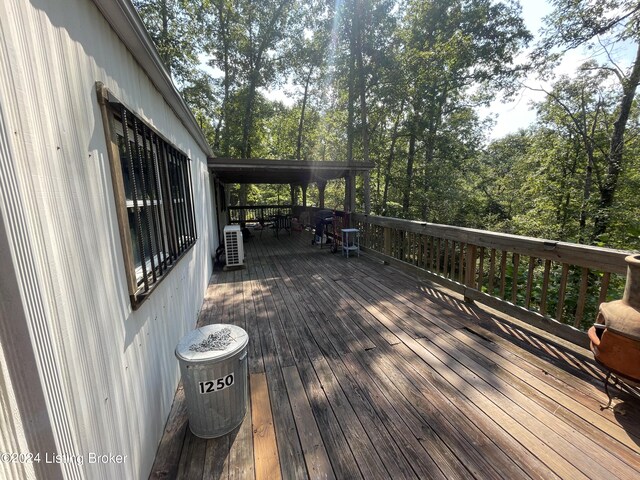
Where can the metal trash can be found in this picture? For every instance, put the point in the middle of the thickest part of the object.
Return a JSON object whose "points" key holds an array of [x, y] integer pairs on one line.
{"points": [[213, 363]]}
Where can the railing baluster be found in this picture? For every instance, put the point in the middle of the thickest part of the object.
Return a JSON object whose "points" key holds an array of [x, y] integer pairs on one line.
{"points": [[582, 297], [410, 247], [514, 281], [452, 260], [411, 250], [438, 255], [481, 269], [503, 272], [446, 258], [387, 241], [545, 287], [532, 266], [562, 292], [431, 249], [394, 243], [461, 268], [492, 270], [604, 288], [471, 260]]}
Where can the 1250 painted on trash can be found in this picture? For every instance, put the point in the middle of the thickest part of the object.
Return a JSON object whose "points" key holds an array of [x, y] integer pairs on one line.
{"points": [[217, 384]]}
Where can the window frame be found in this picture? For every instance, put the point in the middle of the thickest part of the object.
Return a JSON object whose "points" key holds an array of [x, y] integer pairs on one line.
{"points": [[159, 195]]}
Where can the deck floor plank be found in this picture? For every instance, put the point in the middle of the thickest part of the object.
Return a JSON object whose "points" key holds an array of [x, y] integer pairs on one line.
{"points": [[316, 458], [363, 450], [358, 370], [389, 452], [216, 462], [576, 415], [474, 417], [171, 445], [451, 367], [267, 461], [241, 455], [288, 444], [627, 435], [339, 451]]}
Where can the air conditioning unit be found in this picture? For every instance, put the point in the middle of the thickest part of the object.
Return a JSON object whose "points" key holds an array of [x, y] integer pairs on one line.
{"points": [[233, 247]]}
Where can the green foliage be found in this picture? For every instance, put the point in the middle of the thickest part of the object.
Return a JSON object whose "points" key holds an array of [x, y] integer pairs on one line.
{"points": [[422, 68]]}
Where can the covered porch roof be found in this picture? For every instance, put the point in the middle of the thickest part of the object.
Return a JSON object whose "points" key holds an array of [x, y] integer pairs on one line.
{"points": [[264, 170]]}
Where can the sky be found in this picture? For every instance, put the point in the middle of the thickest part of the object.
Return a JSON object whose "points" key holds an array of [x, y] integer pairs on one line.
{"points": [[517, 114]]}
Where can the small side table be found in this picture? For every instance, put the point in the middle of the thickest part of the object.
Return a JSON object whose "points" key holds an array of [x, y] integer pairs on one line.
{"points": [[355, 245]]}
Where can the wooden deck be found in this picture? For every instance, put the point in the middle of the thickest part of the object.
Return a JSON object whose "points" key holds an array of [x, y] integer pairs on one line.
{"points": [[359, 371]]}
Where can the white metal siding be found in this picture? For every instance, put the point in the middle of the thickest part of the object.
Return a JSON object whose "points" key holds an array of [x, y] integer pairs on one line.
{"points": [[108, 374]]}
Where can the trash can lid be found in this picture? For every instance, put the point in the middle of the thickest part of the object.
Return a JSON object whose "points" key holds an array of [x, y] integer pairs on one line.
{"points": [[211, 343]]}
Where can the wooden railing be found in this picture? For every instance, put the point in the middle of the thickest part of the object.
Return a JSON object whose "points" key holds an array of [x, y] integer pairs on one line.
{"points": [[256, 213], [557, 286]]}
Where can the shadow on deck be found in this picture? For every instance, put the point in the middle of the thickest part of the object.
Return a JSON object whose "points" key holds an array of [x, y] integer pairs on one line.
{"points": [[359, 371]]}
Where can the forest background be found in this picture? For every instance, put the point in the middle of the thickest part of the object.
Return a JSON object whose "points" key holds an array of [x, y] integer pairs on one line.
{"points": [[400, 83]]}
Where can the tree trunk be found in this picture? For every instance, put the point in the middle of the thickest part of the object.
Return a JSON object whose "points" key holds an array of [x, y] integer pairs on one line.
{"points": [[564, 199], [586, 194], [349, 180], [164, 13], [362, 86], [439, 98], [390, 158], [247, 121], [245, 148], [616, 148], [304, 106], [406, 197], [221, 133]]}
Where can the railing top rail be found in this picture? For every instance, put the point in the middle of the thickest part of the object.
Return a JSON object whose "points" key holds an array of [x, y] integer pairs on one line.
{"points": [[599, 258], [248, 207]]}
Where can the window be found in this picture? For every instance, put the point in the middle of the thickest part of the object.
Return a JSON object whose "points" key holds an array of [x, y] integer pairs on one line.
{"points": [[152, 187]]}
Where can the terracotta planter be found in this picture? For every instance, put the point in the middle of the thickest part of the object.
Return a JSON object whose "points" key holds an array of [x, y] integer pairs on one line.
{"points": [[615, 338]]}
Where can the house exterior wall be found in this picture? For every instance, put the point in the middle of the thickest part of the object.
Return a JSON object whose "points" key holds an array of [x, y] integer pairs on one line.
{"points": [[81, 373]]}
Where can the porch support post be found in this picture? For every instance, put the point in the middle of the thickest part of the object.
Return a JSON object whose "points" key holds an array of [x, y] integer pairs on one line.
{"points": [[321, 186], [349, 197], [367, 192], [350, 193], [304, 194], [227, 201]]}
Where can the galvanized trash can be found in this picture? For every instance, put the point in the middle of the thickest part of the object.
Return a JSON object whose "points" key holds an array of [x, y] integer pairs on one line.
{"points": [[213, 363]]}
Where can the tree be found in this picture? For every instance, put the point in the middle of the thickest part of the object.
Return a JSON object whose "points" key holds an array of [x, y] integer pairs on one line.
{"points": [[176, 27], [580, 109], [450, 47], [599, 24], [307, 58]]}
